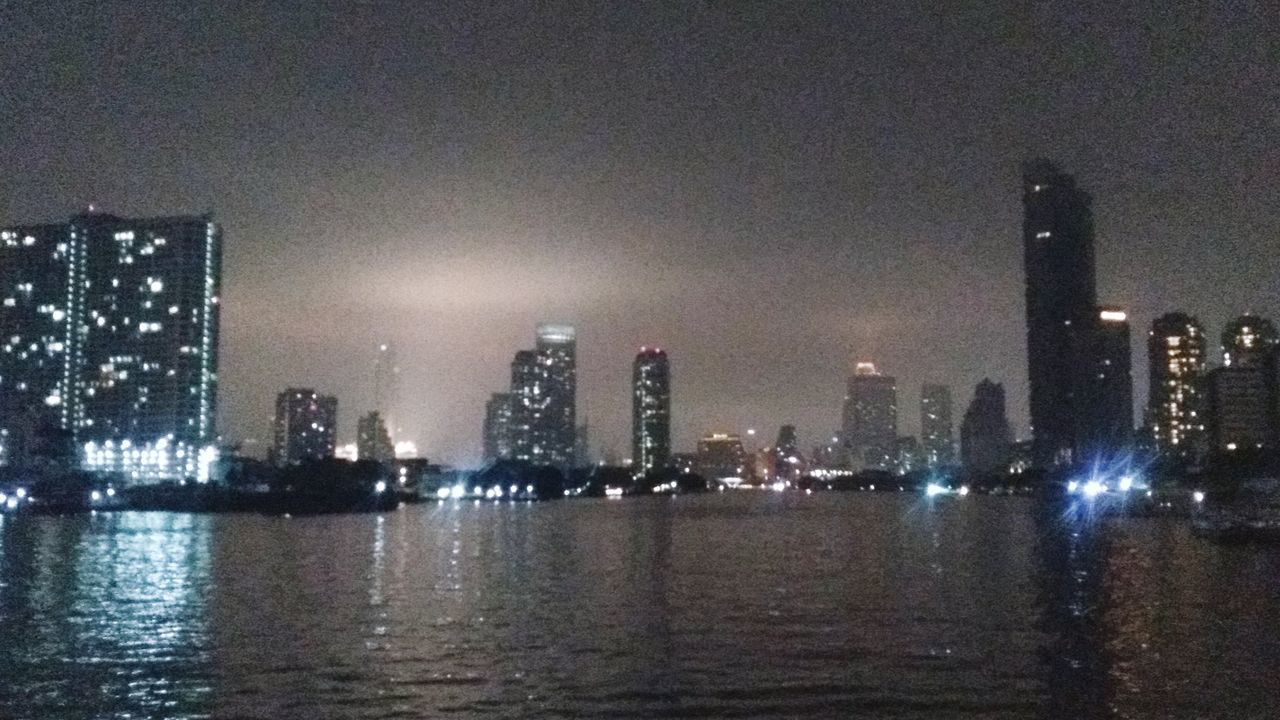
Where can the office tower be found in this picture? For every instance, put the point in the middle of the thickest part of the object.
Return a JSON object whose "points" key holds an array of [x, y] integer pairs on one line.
{"points": [[306, 426], [936, 438], [1248, 342], [1241, 401], [373, 440], [497, 427], [1104, 393], [985, 438], [1057, 233], [722, 457], [1176, 365], [386, 388], [35, 361], [650, 410], [871, 417], [557, 358]]}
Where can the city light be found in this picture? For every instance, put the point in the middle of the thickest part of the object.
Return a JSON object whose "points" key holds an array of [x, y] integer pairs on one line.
{"points": [[613, 492], [934, 489], [380, 487], [1093, 488], [1198, 496]]}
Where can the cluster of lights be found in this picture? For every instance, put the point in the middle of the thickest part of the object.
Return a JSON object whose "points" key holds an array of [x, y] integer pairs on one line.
{"points": [[11, 502], [496, 492], [936, 489], [162, 459]]}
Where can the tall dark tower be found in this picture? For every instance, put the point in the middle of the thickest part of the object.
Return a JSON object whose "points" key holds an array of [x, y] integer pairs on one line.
{"points": [[1057, 235], [650, 410]]}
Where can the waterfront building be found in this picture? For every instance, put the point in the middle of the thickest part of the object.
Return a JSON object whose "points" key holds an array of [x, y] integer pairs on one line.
{"points": [[544, 398], [1058, 254], [1248, 341], [721, 457], [373, 440], [1176, 370], [650, 410], [1104, 393], [306, 425], [497, 427], [985, 437], [870, 419], [936, 429], [1242, 394], [126, 311]]}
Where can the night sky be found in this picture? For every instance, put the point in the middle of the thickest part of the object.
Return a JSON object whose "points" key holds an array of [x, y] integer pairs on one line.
{"points": [[766, 191]]}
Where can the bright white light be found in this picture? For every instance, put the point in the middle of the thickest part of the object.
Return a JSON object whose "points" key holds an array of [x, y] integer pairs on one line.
{"points": [[1126, 483], [1093, 488], [1073, 486], [778, 486], [964, 490], [528, 489], [513, 490], [380, 487], [1112, 315], [1198, 496], [11, 503], [21, 493], [3, 498], [95, 496], [613, 492], [497, 491], [111, 492], [934, 489], [156, 286], [872, 488], [443, 493], [458, 490]]}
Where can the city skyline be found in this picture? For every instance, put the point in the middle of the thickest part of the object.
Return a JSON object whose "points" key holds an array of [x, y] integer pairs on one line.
{"points": [[897, 204]]}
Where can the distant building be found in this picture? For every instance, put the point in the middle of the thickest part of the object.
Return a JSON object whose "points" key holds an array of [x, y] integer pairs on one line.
{"points": [[497, 427], [1057, 234], [650, 410], [544, 398], [909, 455], [721, 456], [1176, 369], [985, 438], [937, 440], [1241, 408], [386, 388], [789, 462], [1104, 393], [305, 426], [373, 440], [871, 417]]}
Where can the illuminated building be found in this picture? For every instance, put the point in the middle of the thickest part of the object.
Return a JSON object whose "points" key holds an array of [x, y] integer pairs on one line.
{"points": [[544, 398], [306, 426], [985, 438], [936, 434], [1248, 341], [1057, 233], [650, 410], [373, 440], [1241, 401], [871, 417], [1105, 389], [34, 329], [722, 457], [497, 427], [128, 309], [1176, 365]]}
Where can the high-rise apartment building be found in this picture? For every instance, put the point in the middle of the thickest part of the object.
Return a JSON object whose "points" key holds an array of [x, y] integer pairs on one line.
{"points": [[373, 439], [1176, 370], [1241, 407], [306, 425], [1104, 393], [544, 398], [135, 327], [650, 410], [497, 427], [871, 417], [937, 440], [1057, 235]]}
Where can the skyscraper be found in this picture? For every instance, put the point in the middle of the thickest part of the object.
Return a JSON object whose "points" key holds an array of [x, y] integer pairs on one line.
{"points": [[386, 388], [373, 440], [871, 417], [1104, 417], [936, 435], [650, 410], [137, 325], [527, 401], [497, 427], [305, 426], [1057, 234], [985, 439], [722, 457], [35, 362], [1241, 401], [1176, 364], [557, 359]]}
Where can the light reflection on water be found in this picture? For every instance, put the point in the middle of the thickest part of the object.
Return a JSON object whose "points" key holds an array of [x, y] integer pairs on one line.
{"points": [[741, 604]]}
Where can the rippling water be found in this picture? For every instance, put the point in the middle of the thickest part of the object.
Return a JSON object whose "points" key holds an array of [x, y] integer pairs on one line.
{"points": [[732, 605]]}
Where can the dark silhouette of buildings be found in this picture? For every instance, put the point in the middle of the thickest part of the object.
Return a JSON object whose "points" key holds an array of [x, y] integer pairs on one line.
{"points": [[985, 438], [497, 427], [650, 410], [373, 439], [1105, 393]]}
